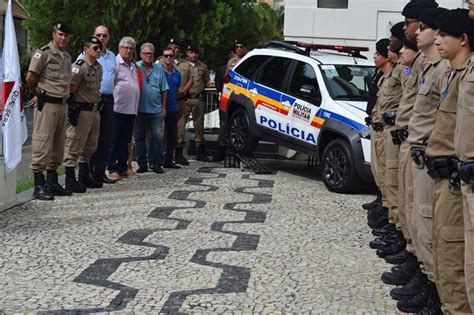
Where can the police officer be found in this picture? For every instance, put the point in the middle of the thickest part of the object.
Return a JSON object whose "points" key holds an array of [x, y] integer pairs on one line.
{"points": [[240, 52], [48, 77], [465, 152], [84, 117], [454, 44], [195, 103]]}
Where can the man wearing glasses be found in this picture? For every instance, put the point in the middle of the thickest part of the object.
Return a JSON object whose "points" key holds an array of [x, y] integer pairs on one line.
{"points": [[98, 161], [84, 118], [151, 112]]}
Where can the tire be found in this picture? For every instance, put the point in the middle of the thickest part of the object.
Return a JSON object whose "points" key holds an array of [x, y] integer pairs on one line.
{"points": [[241, 137], [337, 167]]}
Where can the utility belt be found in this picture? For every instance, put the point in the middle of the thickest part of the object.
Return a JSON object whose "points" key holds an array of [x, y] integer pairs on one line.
{"points": [[42, 98], [418, 156], [389, 118], [200, 96], [444, 167], [399, 135], [54, 100], [466, 173], [90, 107], [377, 126]]}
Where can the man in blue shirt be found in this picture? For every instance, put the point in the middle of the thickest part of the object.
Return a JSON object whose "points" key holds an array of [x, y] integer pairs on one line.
{"points": [[98, 161], [151, 112], [172, 109]]}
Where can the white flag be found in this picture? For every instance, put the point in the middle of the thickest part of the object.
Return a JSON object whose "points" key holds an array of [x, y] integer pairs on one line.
{"points": [[14, 127]]}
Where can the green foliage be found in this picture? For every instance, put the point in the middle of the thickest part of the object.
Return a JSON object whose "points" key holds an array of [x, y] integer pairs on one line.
{"points": [[210, 24]]}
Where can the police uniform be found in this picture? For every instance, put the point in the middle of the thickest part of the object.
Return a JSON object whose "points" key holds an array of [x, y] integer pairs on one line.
{"points": [[464, 147], [448, 225], [195, 104], [53, 69], [82, 137]]}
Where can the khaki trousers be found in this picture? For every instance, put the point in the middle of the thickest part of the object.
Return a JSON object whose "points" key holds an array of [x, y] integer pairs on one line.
{"points": [[391, 176], [82, 139], [377, 161], [405, 193], [196, 107], [422, 235], [468, 206], [448, 248], [49, 135]]}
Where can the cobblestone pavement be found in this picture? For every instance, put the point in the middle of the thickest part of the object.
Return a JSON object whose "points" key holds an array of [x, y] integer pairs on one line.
{"points": [[200, 240]]}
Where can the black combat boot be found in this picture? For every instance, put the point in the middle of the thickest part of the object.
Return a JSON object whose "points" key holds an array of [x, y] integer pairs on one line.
{"points": [[374, 204], [53, 186], [202, 156], [393, 249], [402, 275], [385, 240], [386, 229], [220, 154], [433, 307], [169, 161], [71, 182], [85, 178], [399, 258], [410, 289], [418, 302], [40, 191], [179, 157]]}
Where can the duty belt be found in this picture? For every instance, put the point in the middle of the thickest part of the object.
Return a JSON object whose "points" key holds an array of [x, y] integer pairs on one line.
{"points": [[399, 135], [418, 156], [377, 126], [444, 167], [90, 107], [54, 100], [389, 118], [466, 173]]}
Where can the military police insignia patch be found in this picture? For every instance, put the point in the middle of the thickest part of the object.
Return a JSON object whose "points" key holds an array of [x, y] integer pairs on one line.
{"points": [[75, 70], [37, 55]]}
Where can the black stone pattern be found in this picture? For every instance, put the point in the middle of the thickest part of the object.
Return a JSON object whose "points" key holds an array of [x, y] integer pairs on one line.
{"points": [[232, 279]]}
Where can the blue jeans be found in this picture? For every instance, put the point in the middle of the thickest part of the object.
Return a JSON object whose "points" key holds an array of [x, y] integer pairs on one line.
{"points": [[122, 130], [148, 136]]}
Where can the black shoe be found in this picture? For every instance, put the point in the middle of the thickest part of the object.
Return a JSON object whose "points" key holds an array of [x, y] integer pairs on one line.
{"points": [[380, 243], [400, 276], [374, 204], [380, 222], [201, 155], [433, 306], [220, 154], [71, 183], [142, 169], [418, 302], [157, 169], [85, 177], [376, 213], [386, 229], [393, 249], [179, 157], [40, 191], [170, 164], [53, 187], [412, 288], [399, 258]]}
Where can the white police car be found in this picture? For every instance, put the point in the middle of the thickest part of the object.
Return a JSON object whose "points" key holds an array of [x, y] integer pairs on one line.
{"points": [[311, 101]]}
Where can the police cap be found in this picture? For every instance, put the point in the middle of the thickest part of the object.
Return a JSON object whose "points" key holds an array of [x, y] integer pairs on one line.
{"points": [[192, 48], [414, 8], [397, 31], [63, 27], [240, 42], [382, 47], [92, 40], [175, 41], [456, 22], [431, 16]]}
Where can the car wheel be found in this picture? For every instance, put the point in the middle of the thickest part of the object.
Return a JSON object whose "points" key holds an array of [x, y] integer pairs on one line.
{"points": [[337, 167], [241, 138]]}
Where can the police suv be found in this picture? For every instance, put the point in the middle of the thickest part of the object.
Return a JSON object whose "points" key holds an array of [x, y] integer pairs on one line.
{"points": [[306, 97]]}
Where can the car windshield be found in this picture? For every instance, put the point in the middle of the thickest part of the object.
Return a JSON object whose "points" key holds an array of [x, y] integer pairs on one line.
{"points": [[347, 82]]}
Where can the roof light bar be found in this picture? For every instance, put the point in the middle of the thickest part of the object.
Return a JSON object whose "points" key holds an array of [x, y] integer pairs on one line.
{"points": [[332, 47]]}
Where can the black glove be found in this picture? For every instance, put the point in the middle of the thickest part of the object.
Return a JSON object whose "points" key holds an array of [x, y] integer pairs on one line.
{"points": [[368, 120]]}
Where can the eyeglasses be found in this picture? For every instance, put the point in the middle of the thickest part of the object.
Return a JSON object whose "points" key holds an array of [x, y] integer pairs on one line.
{"points": [[127, 47], [147, 54], [423, 27], [168, 56], [95, 48], [101, 35]]}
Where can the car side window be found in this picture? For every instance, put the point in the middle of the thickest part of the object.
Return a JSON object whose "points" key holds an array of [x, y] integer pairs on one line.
{"points": [[273, 73], [248, 67], [304, 84]]}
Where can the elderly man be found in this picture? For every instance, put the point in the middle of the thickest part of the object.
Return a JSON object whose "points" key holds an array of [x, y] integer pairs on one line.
{"points": [[98, 161], [151, 112], [126, 96]]}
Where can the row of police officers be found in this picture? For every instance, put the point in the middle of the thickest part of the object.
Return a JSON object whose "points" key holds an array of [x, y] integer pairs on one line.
{"points": [[422, 122]]}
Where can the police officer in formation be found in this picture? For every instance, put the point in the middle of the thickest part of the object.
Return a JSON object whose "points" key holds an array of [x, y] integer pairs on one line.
{"points": [[424, 223]]}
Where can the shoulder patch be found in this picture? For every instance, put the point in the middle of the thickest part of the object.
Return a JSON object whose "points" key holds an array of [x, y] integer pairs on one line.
{"points": [[37, 55], [44, 48], [79, 62], [75, 70]]}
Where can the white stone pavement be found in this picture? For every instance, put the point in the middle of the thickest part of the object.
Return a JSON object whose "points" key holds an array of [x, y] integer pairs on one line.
{"points": [[204, 239]]}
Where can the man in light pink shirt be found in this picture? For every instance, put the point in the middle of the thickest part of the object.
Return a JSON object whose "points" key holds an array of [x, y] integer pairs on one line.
{"points": [[126, 97]]}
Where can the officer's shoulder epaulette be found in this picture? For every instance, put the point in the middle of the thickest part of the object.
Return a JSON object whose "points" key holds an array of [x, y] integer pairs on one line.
{"points": [[44, 48], [79, 62]]}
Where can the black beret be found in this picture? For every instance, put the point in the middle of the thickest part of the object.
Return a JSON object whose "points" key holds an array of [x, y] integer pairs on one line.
{"points": [[414, 8], [193, 48], [63, 27], [240, 42], [92, 40], [430, 17], [397, 30], [382, 47], [175, 41], [456, 22], [409, 44]]}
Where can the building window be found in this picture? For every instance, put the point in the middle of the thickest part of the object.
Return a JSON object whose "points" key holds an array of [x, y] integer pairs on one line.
{"points": [[333, 4]]}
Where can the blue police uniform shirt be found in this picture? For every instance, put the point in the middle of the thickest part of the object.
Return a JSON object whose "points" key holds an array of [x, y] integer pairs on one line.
{"points": [[174, 80], [153, 84], [107, 61]]}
